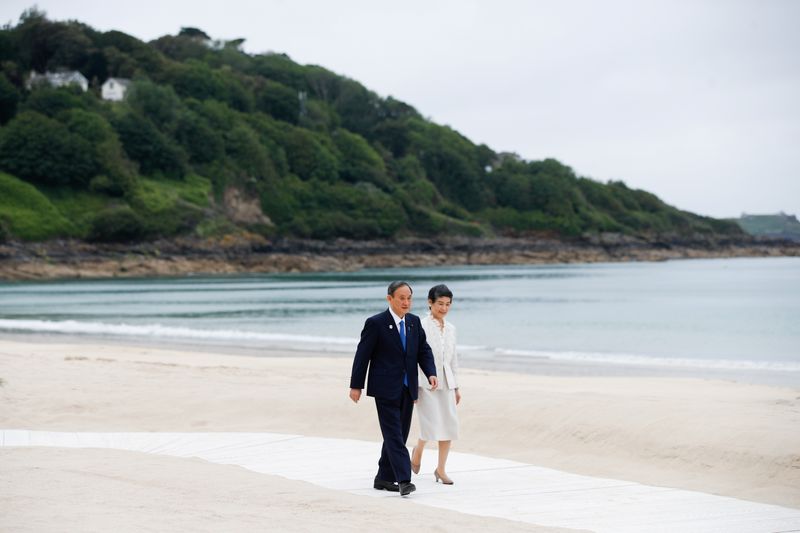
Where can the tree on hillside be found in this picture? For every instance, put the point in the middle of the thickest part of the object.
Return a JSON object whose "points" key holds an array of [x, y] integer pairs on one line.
{"points": [[144, 143], [309, 157], [203, 143], [51, 101], [194, 33], [42, 150], [181, 47], [127, 56], [359, 161], [244, 147], [117, 174], [452, 163], [158, 103], [278, 100], [9, 98], [45, 45]]}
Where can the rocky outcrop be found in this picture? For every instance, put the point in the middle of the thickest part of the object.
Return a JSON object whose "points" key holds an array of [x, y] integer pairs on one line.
{"points": [[243, 209], [252, 253]]}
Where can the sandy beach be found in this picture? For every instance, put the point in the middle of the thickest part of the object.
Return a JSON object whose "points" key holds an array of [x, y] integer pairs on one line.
{"points": [[720, 437]]}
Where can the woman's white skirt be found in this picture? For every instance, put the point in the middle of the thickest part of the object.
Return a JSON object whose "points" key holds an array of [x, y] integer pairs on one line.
{"points": [[438, 419]]}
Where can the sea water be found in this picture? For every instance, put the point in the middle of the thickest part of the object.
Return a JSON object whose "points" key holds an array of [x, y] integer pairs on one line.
{"points": [[736, 314]]}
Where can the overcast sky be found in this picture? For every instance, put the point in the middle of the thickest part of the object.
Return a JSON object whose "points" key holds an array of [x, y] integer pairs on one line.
{"points": [[697, 101]]}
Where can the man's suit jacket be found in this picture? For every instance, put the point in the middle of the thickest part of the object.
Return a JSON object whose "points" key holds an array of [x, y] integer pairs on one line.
{"points": [[381, 349]]}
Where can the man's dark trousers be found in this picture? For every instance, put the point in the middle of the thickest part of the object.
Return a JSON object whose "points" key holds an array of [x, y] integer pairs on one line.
{"points": [[394, 417]]}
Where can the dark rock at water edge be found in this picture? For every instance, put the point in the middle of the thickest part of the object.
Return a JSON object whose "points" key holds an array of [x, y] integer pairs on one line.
{"points": [[61, 259]]}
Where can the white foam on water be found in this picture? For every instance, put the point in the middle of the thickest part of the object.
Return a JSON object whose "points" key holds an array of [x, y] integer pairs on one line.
{"points": [[631, 359], [348, 344], [166, 332]]}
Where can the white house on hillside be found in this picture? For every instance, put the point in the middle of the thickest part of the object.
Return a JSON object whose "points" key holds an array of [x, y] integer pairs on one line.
{"points": [[58, 79], [114, 89]]}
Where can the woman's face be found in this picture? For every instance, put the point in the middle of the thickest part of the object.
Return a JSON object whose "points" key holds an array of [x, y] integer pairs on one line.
{"points": [[440, 307]]}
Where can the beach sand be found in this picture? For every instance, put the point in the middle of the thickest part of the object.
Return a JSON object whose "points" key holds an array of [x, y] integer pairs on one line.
{"points": [[58, 489], [720, 437]]}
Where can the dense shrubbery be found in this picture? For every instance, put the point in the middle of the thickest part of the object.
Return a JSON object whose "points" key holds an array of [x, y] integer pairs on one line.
{"points": [[117, 224], [5, 233], [9, 98], [324, 156], [43, 150]]}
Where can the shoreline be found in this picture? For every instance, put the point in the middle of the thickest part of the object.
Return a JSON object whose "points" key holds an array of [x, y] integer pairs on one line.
{"points": [[180, 257], [500, 362], [714, 436]]}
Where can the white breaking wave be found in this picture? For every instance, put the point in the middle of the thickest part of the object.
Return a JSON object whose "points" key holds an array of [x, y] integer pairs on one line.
{"points": [[347, 344], [630, 359], [166, 332]]}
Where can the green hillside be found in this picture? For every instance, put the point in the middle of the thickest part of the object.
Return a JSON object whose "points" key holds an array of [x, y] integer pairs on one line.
{"points": [[210, 140]]}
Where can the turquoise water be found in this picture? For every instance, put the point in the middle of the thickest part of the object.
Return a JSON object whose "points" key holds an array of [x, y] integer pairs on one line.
{"points": [[725, 313]]}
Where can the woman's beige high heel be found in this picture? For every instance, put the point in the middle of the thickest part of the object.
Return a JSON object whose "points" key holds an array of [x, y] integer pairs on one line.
{"points": [[414, 467], [444, 479]]}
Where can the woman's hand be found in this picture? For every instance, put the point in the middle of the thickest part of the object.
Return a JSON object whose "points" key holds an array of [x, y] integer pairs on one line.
{"points": [[458, 396]]}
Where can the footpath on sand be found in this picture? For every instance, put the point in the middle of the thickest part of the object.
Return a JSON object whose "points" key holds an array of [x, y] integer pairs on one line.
{"points": [[484, 486]]}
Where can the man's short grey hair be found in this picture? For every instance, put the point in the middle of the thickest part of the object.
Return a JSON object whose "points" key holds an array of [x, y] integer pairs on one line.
{"points": [[393, 286]]}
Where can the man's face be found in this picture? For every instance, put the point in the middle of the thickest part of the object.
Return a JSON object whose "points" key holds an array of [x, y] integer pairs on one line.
{"points": [[400, 301]]}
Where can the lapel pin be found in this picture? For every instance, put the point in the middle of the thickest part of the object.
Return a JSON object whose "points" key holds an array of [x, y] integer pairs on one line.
{"points": [[390, 326]]}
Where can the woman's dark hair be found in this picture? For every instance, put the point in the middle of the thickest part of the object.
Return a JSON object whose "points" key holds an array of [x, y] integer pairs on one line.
{"points": [[437, 291]]}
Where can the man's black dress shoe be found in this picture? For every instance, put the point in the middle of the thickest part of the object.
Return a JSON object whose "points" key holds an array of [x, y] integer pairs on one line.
{"points": [[406, 488], [380, 484]]}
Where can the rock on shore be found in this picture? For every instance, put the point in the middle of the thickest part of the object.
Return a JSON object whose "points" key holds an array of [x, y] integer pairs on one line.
{"points": [[248, 253]]}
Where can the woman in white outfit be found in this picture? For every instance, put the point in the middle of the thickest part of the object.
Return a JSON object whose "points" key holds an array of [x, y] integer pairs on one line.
{"points": [[436, 410]]}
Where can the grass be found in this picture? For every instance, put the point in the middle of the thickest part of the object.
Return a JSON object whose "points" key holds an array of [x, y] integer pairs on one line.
{"points": [[28, 213], [158, 194], [215, 227], [170, 207], [35, 214], [79, 207]]}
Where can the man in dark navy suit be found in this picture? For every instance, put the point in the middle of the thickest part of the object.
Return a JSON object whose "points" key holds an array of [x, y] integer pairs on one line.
{"points": [[392, 345]]}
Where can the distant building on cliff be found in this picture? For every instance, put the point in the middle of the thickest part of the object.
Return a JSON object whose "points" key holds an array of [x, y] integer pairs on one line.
{"points": [[114, 89], [58, 79], [779, 226]]}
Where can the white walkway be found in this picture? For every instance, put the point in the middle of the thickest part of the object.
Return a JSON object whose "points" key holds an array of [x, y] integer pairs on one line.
{"points": [[484, 486]]}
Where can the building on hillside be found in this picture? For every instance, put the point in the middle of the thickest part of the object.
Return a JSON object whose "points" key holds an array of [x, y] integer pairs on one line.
{"points": [[58, 79], [114, 89]]}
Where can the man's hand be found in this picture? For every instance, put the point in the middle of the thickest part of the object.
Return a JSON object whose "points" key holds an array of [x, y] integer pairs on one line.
{"points": [[434, 382], [355, 395]]}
